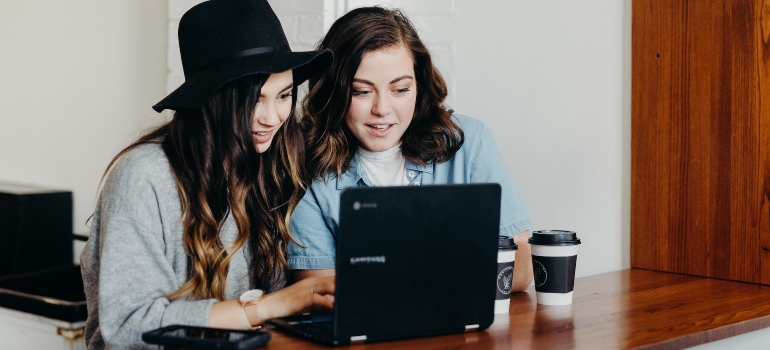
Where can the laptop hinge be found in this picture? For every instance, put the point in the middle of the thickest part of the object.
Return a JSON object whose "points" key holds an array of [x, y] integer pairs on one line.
{"points": [[471, 327], [357, 339]]}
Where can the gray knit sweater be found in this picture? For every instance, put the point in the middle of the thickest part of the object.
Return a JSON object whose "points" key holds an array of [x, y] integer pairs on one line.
{"points": [[134, 255]]}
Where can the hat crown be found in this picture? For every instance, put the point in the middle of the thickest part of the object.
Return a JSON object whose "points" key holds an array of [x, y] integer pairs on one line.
{"points": [[224, 40], [217, 29]]}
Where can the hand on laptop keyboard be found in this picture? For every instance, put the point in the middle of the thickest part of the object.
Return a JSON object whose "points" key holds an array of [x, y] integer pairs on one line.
{"points": [[310, 294]]}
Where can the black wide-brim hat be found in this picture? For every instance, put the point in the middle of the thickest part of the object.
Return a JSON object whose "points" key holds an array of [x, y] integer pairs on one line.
{"points": [[223, 40]]}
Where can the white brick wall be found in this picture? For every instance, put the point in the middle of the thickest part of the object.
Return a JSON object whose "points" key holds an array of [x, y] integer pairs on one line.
{"points": [[305, 22], [302, 21]]}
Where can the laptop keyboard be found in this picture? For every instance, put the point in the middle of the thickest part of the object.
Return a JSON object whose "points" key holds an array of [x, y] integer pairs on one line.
{"points": [[317, 327], [313, 326]]}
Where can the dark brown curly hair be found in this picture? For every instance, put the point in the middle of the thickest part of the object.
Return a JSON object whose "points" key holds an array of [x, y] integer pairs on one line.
{"points": [[432, 136]]}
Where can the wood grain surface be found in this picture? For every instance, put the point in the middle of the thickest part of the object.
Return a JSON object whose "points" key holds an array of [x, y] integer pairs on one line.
{"points": [[618, 310], [701, 138]]}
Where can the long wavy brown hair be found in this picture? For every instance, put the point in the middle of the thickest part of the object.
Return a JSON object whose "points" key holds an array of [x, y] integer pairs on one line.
{"points": [[218, 170], [432, 136]]}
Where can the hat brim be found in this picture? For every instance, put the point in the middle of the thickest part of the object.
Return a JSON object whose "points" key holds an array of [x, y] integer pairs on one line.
{"points": [[201, 86]]}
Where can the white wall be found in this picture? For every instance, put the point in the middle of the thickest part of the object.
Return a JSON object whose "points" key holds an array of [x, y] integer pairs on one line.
{"points": [[77, 80], [551, 78]]}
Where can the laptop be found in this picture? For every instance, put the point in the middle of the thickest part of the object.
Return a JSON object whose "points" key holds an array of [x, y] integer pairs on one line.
{"points": [[412, 261]]}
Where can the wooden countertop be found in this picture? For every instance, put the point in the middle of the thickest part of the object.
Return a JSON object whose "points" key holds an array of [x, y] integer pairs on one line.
{"points": [[616, 310]]}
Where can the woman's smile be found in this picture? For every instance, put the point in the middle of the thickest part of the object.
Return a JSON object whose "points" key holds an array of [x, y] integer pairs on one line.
{"points": [[379, 130], [262, 136]]}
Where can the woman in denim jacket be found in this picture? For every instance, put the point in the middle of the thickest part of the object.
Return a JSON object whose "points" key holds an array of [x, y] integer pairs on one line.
{"points": [[377, 118]]}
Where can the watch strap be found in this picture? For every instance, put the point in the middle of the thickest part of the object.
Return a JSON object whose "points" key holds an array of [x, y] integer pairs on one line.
{"points": [[250, 308]]}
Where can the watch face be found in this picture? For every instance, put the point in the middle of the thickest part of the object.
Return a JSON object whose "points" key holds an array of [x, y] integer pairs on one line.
{"points": [[251, 295]]}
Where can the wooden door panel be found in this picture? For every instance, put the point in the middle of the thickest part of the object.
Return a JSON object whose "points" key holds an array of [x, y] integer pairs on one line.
{"points": [[700, 136]]}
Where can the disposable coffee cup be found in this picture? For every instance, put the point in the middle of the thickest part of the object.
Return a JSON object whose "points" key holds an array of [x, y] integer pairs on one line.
{"points": [[506, 256], [554, 257]]}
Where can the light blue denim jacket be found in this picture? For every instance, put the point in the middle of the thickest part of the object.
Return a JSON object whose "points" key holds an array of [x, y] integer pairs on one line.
{"points": [[315, 221]]}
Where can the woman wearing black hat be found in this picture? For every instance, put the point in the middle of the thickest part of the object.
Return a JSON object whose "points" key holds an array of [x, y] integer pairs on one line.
{"points": [[377, 118], [191, 224]]}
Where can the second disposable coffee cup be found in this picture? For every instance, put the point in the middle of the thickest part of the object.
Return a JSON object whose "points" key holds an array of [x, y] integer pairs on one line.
{"points": [[554, 257], [506, 256]]}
